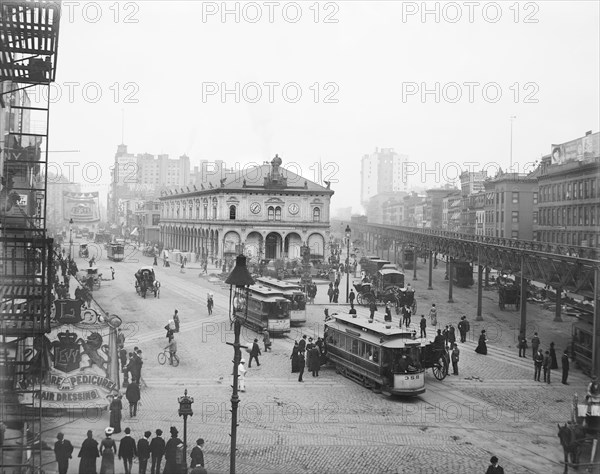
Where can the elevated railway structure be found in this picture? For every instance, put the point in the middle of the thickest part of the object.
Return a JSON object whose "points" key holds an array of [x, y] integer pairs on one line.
{"points": [[28, 56], [562, 267]]}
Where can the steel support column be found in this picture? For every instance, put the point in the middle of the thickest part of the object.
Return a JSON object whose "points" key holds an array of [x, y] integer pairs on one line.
{"points": [[415, 264], [523, 327], [557, 308], [450, 280], [479, 292], [430, 287]]}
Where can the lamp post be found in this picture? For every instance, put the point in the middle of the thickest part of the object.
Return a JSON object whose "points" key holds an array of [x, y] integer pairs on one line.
{"points": [[185, 410], [70, 237], [238, 311], [348, 233]]}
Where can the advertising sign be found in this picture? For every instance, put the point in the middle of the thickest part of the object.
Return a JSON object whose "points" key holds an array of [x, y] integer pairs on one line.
{"points": [[582, 149], [81, 207], [76, 362]]}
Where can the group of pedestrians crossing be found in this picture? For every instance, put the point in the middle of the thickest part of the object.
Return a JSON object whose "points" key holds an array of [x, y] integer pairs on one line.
{"points": [[309, 354], [544, 361]]}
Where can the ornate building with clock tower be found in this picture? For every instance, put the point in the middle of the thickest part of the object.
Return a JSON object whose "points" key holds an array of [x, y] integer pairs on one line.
{"points": [[266, 212]]}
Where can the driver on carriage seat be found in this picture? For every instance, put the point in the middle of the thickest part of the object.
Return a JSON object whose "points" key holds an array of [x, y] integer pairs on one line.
{"points": [[593, 392]]}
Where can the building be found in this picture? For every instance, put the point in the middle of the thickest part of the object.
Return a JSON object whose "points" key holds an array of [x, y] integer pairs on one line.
{"points": [[568, 208], [451, 206], [266, 212], [509, 205], [207, 169], [56, 219], [376, 206], [382, 172], [147, 218], [434, 206], [412, 213], [471, 183]]}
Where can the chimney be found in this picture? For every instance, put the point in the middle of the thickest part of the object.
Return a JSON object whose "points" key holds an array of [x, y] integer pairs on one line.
{"points": [[589, 132]]}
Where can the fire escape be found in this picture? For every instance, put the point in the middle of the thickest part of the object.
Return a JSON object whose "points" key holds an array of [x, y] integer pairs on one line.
{"points": [[28, 55]]}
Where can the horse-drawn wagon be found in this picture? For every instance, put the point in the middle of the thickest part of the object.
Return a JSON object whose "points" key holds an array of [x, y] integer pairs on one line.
{"points": [[145, 280], [437, 359], [509, 293]]}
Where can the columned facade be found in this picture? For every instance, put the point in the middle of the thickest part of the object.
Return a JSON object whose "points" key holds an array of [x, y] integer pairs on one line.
{"points": [[265, 212]]}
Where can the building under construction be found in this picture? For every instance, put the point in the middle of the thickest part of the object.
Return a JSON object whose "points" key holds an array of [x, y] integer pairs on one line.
{"points": [[28, 57]]}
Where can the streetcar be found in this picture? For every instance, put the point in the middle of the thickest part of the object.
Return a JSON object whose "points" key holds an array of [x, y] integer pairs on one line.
{"points": [[462, 274], [115, 252], [381, 357], [582, 333], [268, 308], [293, 293]]}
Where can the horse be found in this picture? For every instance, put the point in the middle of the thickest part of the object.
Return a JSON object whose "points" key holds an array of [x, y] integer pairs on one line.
{"points": [[156, 288], [571, 436]]}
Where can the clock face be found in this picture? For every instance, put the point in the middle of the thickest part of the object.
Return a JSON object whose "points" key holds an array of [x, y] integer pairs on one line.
{"points": [[255, 208], [294, 208]]}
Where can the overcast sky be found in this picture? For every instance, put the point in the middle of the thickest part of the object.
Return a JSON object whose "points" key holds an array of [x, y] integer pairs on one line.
{"points": [[164, 64]]}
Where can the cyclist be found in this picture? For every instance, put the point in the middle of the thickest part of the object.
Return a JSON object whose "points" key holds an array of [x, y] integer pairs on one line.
{"points": [[172, 346]]}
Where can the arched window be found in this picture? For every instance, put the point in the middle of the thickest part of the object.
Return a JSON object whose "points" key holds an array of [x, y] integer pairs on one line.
{"points": [[214, 206], [317, 214], [277, 213], [232, 212], [271, 213], [205, 204]]}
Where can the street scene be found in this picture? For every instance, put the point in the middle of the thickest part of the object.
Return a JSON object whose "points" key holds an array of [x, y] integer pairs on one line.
{"points": [[293, 237]]}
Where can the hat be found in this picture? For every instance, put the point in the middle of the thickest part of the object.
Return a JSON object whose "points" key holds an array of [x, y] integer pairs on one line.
{"points": [[110, 430], [242, 361], [494, 460], [310, 338], [158, 432]]}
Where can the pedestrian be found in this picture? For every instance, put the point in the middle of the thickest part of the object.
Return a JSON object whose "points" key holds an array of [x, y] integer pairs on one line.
{"points": [[302, 344], [451, 335], [336, 294], [157, 450], [330, 292], [294, 358], [127, 450], [388, 312], [267, 340], [301, 362], [112, 272], [309, 347], [115, 408], [482, 345], [565, 367], [176, 320], [423, 324], [133, 397], [63, 449], [535, 344], [108, 449], [446, 334], [439, 340], [254, 353], [315, 361], [209, 305], [242, 376], [155, 262], [181, 269], [372, 309], [455, 359], [553, 361], [538, 361], [171, 465], [88, 454], [494, 468], [143, 451], [351, 297], [120, 338], [433, 315], [197, 454], [547, 367], [522, 345]]}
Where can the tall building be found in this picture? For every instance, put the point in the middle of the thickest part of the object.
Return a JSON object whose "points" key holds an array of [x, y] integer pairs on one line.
{"points": [[568, 208], [451, 206], [382, 172], [471, 183], [55, 214]]}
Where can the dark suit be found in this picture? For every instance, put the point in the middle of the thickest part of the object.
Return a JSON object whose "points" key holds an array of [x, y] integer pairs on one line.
{"points": [[157, 449], [197, 457], [143, 452], [63, 450], [302, 345], [254, 353], [565, 368], [127, 451]]}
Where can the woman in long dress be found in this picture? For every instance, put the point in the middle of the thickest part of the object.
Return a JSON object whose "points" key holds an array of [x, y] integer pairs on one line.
{"points": [[115, 413], [108, 449], [553, 361], [482, 346], [295, 358], [88, 454]]}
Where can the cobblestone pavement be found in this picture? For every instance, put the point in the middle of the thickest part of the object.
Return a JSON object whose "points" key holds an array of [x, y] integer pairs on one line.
{"points": [[330, 424]]}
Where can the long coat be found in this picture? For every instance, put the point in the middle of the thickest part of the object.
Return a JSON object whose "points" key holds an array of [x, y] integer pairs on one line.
{"points": [[115, 414], [295, 359], [88, 454], [482, 346], [314, 363], [133, 393]]}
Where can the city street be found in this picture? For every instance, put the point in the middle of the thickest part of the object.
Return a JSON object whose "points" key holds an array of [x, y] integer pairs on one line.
{"points": [[332, 424]]}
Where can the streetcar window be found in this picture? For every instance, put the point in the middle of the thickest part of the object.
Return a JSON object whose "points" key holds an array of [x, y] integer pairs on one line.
{"points": [[354, 346]]}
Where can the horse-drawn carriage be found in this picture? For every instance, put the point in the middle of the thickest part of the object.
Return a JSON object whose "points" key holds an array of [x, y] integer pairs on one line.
{"points": [[387, 287], [509, 293], [150, 251], [145, 280], [437, 359], [84, 252]]}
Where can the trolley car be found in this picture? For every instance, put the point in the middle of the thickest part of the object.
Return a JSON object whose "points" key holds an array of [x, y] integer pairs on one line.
{"points": [[463, 274], [116, 252], [379, 356], [293, 293], [268, 308]]}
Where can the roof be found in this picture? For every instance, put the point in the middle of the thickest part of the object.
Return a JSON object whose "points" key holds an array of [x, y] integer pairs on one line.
{"points": [[389, 271], [146, 268], [381, 328], [285, 285]]}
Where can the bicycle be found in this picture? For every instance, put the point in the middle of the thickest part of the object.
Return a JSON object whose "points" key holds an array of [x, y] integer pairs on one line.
{"points": [[166, 355]]}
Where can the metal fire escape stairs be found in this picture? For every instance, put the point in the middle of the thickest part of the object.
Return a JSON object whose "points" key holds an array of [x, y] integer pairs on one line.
{"points": [[28, 56]]}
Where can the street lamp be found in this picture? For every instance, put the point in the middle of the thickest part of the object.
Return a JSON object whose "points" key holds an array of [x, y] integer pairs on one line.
{"points": [[70, 237], [238, 311], [348, 233], [185, 410]]}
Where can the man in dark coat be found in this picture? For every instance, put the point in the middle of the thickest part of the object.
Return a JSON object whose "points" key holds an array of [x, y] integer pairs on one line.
{"points": [[565, 367], [143, 451], [372, 309], [301, 362], [133, 397], [547, 367], [423, 325], [197, 454], [157, 449], [127, 450], [522, 345], [351, 297], [538, 361], [254, 353], [315, 361], [439, 340], [535, 344], [302, 344], [171, 466], [62, 451]]}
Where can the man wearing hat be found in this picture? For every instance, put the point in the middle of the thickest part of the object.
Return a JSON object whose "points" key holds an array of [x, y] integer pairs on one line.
{"points": [[494, 468], [157, 449], [242, 376], [143, 451], [127, 450], [254, 353], [171, 466], [62, 451], [197, 454]]}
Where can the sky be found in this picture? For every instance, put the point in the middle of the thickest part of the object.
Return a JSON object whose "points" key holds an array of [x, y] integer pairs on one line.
{"points": [[325, 82]]}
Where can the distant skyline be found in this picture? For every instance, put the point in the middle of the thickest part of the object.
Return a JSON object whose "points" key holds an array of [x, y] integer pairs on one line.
{"points": [[362, 82]]}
